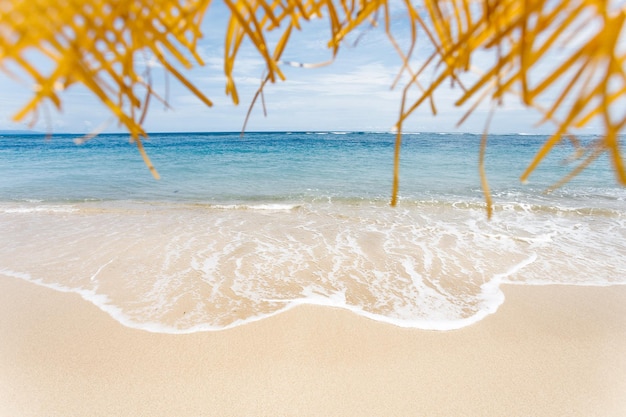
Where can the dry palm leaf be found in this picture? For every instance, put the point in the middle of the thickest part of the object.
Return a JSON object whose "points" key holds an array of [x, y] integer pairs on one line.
{"points": [[99, 44]]}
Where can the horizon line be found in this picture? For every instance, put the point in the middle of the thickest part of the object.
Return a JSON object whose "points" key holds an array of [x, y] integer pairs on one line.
{"points": [[38, 133]]}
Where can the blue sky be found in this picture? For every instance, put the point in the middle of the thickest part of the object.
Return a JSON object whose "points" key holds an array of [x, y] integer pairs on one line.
{"points": [[353, 93]]}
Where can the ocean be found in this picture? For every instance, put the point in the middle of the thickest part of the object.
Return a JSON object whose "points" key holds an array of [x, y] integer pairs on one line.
{"points": [[239, 229]]}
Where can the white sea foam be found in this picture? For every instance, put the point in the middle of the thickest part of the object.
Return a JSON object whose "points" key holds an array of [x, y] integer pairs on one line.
{"points": [[181, 270], [259, 207], [274, 207], [18, 209]]}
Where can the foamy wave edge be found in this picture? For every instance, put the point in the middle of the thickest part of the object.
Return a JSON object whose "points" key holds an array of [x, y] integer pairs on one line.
{"points": [[492, 295], [38, 209], [259, 207]]}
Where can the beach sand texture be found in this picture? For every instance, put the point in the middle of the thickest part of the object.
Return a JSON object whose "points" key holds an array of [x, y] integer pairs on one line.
{"points": [[548, 351]]}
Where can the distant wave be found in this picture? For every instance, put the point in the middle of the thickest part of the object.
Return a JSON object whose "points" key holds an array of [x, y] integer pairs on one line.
{"points": [[260, 207], [37, 209]]}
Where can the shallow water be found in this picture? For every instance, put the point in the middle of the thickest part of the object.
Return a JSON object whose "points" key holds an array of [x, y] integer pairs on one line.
{"points": [[239, 229]]}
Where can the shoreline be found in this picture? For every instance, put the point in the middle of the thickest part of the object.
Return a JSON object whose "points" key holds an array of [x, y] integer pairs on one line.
{"points": [[547, 351]]}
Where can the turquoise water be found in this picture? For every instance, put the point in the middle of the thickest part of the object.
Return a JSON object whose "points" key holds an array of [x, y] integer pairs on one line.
{"points": [[238, 229], [288, 167]]}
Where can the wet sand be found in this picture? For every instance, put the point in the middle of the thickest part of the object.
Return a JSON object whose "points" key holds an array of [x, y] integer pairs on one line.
{"points": [[548, 351]]}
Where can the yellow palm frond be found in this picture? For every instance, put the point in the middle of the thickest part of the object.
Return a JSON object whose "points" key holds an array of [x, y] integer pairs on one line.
{"points": [[100, 44]]}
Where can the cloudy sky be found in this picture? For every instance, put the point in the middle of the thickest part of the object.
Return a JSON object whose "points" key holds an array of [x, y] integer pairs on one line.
{"points": [[353, 93]]}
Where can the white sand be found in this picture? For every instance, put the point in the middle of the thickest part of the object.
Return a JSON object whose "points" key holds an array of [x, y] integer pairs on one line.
{"points": [[549, 351]]}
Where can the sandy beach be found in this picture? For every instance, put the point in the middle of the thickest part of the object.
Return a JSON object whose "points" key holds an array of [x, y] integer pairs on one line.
{"points": [[548, 351], [399, 234]]}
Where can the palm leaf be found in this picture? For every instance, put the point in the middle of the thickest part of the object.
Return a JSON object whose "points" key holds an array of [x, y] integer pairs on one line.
{"points": [[98, 43]]}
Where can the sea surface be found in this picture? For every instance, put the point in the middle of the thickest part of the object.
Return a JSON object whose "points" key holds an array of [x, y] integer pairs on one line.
{"points": [[238, 229]]}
